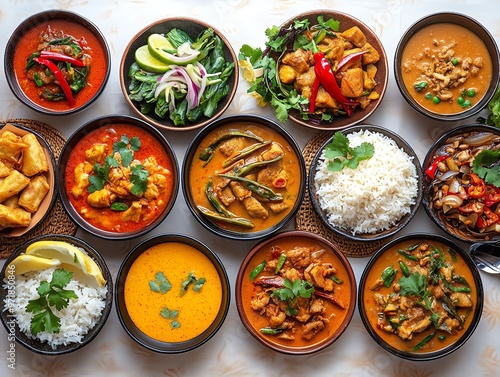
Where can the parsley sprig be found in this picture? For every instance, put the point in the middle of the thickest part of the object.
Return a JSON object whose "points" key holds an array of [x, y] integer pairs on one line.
{"points": [[341, 154], [51, 294], [125, 148]]}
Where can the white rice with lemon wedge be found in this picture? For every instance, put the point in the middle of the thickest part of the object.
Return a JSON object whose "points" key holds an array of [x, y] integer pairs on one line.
{"points": [[374, 196], [81, 315]]}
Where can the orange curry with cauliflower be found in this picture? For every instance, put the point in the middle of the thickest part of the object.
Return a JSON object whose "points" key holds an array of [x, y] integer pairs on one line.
{"points": [[119, 178]]}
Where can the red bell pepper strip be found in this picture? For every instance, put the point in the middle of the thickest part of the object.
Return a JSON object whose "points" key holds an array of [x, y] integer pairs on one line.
{"points": [[431, 170], [61, 57], [347, 58], [60, 78], [314, 94], [327, 79]]}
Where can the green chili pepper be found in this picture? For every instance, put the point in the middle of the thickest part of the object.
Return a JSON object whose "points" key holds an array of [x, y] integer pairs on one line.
{"points": [[423, 342], [388, 276], [281, 262], [419, 86], [453, 254], [257, 270], [404, 268], [336, 279], [271, 331], [407, 255], [413, 246]]}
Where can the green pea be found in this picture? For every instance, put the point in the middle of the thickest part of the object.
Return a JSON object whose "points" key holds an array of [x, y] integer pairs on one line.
{"points": [[471, 92], [466, 103], [454, 61], [436, 100], [428, 96], [460, 100]]}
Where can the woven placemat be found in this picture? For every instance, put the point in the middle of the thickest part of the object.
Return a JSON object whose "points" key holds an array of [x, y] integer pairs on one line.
{"points": [[307, 220], [57, 222]]}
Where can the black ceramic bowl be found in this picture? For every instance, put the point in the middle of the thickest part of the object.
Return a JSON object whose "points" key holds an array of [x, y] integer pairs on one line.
{"points": [[107, 122], [194, 186], [36, 345], [379, 235], [193, 28], [449, 211], [479, 102], [131, 328], [48, 201], [433, 349], [97, 78]]}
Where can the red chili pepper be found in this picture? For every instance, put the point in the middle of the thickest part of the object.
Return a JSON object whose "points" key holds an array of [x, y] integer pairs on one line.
{"points": [[491, 218], [323, 70], [60, 78], [314, 94], [347, 58], [431, 170], [492, 195], [477, 189], [61, 57]]}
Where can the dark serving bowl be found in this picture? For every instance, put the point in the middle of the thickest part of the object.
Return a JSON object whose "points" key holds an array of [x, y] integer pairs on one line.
{"points": [[98, 77], [346, 291], [489, 84], [448, 209], [131, 328], [35, 345], [381, 78], [193, 28], [437, 346], [52, 177], [379, 235], [193, 187], [107, 122]]}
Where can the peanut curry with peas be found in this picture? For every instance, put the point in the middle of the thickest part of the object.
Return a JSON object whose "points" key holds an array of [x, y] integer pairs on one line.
{"points": [[296, 291], [420, 296]]}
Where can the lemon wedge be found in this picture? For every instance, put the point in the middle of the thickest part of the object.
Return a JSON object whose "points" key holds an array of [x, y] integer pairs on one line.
{"points": [[69, 255], [26, 263], [148, 62]]}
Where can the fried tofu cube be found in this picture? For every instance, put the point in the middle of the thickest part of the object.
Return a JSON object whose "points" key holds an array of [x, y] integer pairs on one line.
{"points": [[300, 60], [354, 63], [371, 71], [372, 56], [325, 100], [287, 74], [334, 49], [351, 84], [368, 83], [355, 36]]}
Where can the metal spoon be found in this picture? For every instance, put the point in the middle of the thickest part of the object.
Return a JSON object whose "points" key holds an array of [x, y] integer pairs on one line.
{"points": [[486, 256]]}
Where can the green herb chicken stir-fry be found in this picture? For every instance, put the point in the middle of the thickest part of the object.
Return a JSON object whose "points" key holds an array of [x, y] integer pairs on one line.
{"points": [[180, 78]]}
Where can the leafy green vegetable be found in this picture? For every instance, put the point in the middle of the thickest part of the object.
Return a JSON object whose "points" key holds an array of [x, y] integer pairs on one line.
{"points": [[161, 284], [388, 276], [416, 285], [191, 279], [493, 118], [341, 154], [171, 314], [51, 294], [291, 292], [486, 166]]}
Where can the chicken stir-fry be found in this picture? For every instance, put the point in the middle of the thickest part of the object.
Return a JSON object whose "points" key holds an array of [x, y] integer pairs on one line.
{"points": [[292, 288], [422, 293], [114, 179]]}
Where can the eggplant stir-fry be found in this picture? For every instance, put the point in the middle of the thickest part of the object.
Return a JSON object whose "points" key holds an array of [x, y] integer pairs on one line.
{"points": [[422, 293], [465, 184]]}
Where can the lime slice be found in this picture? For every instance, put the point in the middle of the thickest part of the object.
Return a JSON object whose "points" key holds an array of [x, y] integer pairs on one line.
{"points": [[68, 254], [157, 44], [26, 263], [147, 62]]}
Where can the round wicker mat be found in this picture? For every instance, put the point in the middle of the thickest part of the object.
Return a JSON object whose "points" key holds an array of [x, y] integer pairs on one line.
{"points": [[57, 222], [307, 220]]}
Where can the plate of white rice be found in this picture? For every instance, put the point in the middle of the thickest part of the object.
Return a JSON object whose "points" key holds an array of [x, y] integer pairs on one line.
{"points": [[80, 321], [374, 200]]}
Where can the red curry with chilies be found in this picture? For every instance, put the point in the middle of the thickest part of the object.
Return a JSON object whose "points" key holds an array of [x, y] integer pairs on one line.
{"points": [[60, 65], [119, 178]]}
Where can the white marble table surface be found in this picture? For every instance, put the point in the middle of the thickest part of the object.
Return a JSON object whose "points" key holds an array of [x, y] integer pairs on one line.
{"points": [[233, 352]]}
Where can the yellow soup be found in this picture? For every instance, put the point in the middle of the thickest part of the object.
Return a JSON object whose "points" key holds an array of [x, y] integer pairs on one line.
{"points": [[173, 292]]}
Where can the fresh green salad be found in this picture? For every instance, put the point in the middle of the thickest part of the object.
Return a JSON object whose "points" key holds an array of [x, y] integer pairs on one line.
{"points": [[180, 78]]}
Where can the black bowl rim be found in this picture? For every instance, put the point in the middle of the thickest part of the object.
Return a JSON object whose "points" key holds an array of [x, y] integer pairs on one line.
{"points": [[97, 123], [367, 237], [48, 15], [456, 18], [427, 159], [262, 121], [333, 125], [479, 304], [53, 162], [157, 122], [93, 332], [136, 334], [346, 264]]}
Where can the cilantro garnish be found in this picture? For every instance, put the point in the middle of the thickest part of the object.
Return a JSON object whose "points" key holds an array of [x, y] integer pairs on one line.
{"points": [[341, 154], [191, 279], [161, 284], [486, 166], [292, 291], [171, 314], [139, 178], [416, 285], [51, 294]]}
